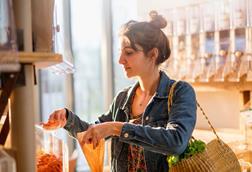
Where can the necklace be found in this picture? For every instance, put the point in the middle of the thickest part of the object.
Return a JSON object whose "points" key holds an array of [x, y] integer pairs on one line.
{"points": [[141, 99], [144, 99]]}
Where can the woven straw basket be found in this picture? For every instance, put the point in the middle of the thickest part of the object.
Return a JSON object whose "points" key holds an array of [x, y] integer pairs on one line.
{"points": [[198, 163], [217, 157]]}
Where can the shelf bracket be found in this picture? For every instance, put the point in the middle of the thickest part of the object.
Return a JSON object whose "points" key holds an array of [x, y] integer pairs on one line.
{"points": [[7, 85]]}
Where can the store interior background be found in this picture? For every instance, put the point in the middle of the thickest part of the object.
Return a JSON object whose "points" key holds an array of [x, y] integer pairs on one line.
{"points": [[90, 42], [98, 76]]}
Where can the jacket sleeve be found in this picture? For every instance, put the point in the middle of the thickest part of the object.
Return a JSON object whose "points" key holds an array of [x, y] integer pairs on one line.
{"points": [[174, 138], [75, 124]]}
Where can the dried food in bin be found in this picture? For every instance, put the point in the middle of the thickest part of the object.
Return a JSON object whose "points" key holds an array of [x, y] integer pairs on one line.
{"points": [[49, 163]]}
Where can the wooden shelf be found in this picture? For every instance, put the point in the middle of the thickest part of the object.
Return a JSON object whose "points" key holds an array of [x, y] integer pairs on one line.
{"points": [[242, 85], [40, 59], [218, 86]]}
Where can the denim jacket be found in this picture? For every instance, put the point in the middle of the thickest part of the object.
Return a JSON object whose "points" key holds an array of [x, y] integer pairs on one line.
{"points": [[160, 134]]}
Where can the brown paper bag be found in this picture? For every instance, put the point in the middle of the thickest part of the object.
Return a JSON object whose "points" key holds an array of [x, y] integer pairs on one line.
{"points": [[94, 157]]}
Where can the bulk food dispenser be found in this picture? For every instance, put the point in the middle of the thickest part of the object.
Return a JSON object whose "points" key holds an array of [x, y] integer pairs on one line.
{"points": [[207, 46], [247, 58], [222, 39], [51, 151], [232, 69], [192, 42], [179, 41]]}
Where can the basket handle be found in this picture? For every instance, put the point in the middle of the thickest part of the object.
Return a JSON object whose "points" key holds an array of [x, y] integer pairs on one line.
{"points": [[170, 95], [208, 121]]}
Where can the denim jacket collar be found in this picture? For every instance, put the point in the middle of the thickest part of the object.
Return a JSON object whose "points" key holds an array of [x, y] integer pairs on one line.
{"points": [[129, 96], [163, 87], [161, 92]]}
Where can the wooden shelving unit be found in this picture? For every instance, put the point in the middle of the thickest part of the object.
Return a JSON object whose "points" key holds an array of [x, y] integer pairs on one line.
{"points": [[22, 136]]}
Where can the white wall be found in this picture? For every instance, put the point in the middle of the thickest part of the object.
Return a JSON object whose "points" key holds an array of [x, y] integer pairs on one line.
{"points": [[222, 108]]}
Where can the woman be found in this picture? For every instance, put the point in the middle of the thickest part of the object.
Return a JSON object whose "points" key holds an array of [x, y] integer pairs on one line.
{"points": [[143, 132]]}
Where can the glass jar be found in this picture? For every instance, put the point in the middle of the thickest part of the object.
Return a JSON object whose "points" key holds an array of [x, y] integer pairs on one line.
{"points": [[51, 152], [247, 66], [193, 19], [223, 17], [179, 21], [238, 14], [249, 13], [7, 163], [207, 17]]}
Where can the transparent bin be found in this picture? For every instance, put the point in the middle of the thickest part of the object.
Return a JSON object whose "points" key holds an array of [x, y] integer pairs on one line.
{"points": [[207, 16], [223, 14], [238, 14], [7, 163], [51, 152], [8, 45], [193, 19]]}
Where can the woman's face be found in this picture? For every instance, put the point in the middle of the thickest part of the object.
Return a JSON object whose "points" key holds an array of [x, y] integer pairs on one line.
{"points": [[135, 63]]}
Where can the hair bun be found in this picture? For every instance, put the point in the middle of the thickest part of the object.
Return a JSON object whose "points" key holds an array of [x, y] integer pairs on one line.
{"points": [[157, 20]]}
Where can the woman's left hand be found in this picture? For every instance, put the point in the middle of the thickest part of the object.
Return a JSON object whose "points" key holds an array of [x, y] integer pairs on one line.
{"points": [[96, 132]]}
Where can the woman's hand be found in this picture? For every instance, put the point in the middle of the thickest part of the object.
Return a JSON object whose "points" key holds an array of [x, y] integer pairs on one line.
{"points": [[97, 132], [56, 120]]}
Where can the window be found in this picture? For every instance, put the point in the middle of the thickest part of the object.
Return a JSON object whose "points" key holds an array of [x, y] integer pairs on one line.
{"points": [[86, 37], [53, 90], [122, 11], [86, 20]]}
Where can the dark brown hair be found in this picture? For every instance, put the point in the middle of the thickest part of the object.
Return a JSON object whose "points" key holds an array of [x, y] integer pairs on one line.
{"points": [[148, 35]]}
